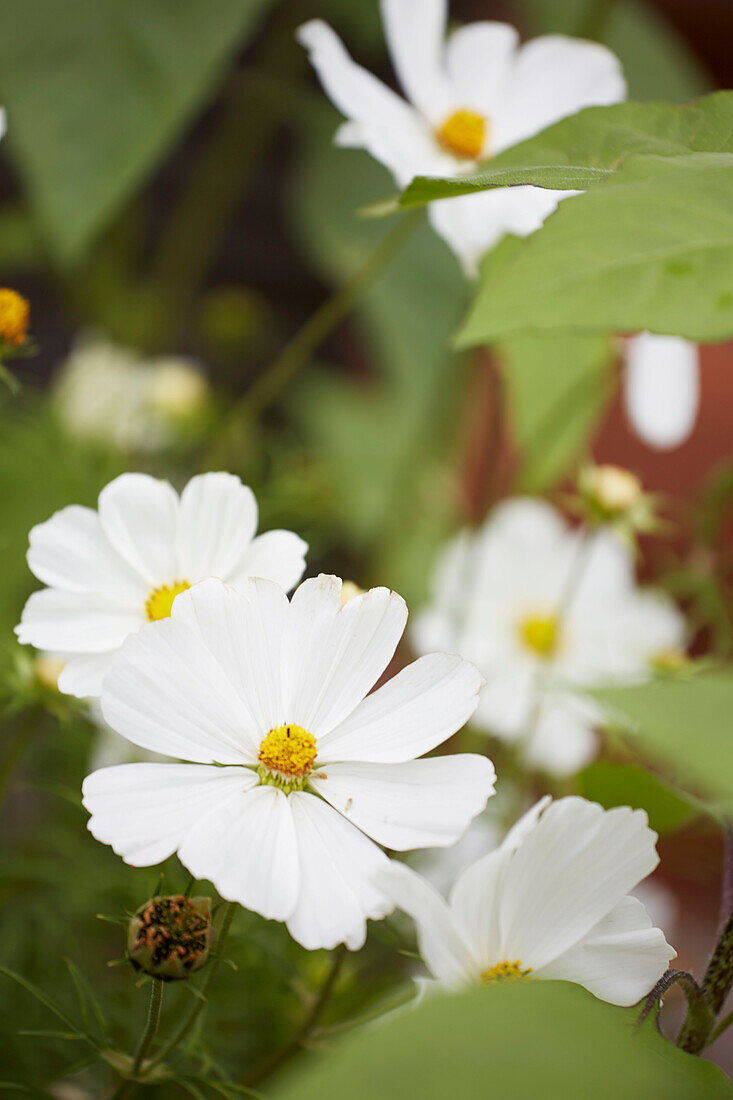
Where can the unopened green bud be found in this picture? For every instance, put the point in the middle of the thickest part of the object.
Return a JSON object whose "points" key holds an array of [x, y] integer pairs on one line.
{"points": [[170, 937]]}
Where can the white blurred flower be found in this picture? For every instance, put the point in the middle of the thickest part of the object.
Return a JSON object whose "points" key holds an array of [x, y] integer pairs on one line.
{"points": [[112, 570], [662, 388], [468, 97], [497, 598], [107, 394], [441, 866], [551, 902], [294, 767]]}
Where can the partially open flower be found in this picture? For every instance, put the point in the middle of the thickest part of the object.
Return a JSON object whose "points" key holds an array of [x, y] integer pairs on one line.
{"points": [[170, 937], [614, 497]]}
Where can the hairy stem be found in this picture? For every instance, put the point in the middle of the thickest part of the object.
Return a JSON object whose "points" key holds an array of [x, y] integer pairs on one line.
{"points": [[127, 1088]]}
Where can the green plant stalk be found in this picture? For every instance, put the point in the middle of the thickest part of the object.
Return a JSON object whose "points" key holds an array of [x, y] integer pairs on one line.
{"points": [[127, 1087]]}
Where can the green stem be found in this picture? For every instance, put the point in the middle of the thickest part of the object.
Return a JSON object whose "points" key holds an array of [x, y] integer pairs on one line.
{"points": [[719, 975], [193, 1015], [126, 1088], [311, 335], [267, 1068]]}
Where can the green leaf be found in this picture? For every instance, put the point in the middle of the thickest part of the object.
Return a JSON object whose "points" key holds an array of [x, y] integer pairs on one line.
{"points": [[97, 92], [587, 148], [685, 725], [651, 248], [522, 1040], [631, 785]]}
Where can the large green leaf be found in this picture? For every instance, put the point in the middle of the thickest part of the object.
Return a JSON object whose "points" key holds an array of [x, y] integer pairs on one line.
{"points": [[687, 725], [97, 91], [631, 785], [651, 248], [522, 1040]]}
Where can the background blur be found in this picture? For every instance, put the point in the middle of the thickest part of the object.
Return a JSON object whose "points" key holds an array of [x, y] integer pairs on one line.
{"points": [[168, 186]]}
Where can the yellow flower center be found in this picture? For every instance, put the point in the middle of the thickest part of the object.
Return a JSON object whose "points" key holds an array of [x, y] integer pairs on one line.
{"points": [[504, 970], [540, 633], [463, 134], [287, 753], [14, 312], [160, 601]]}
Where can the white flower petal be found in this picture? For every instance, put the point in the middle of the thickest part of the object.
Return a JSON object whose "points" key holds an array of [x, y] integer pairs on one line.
{"points": [[277, 555], [247, 847], [418, 804], [71, 551], [479, 58], [338, 869], [82, 676], [620, 959], [217, 520], [563, 739], [446, 954], [144, 811], [76, 622], [167, 692], [139, 517], [415, 30], [662, 388], [336, 654], [580, 860], [417, 709]]}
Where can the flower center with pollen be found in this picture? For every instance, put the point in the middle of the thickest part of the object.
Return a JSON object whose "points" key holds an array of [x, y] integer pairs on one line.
{"points": [[286, 757], [504, 970], [160, 601], [540, 633], [463, 134]]}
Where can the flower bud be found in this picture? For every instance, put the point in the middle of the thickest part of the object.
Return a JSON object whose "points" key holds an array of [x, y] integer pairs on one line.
{"points": [[14, 313], [170, 937], [177, 389], [611, 489]]}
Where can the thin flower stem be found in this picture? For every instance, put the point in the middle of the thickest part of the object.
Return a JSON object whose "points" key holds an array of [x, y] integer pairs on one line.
{"points": [[193, 1015], [127, 1087], [267, 1068]]}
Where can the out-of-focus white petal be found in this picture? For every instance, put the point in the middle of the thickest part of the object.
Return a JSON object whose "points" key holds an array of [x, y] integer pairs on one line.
{"points": [[217, 520], [415, 31], [418, 804], [479, 58], [662, 388], [76, 622], [277, 556], [563, 739], [417, 709], [139, 516], [82, 675]]}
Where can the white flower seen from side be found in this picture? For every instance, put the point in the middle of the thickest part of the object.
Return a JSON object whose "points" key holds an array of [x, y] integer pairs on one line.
{"points": [[551, 902], [294, 771], [112, 570], [498, 598], [468, 97], [661, 388]]}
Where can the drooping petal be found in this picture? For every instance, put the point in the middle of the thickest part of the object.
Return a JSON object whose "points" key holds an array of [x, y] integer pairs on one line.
{"points": [[217, 520], [71, 551], [417, 709], [166, 692], [247, 847], [338, 869], [580, 860], [620, 959], [662, 388], [443, 948], [419, 804], [82, 676], [76, 622], [277, 555], [335, 654], [139, 515], [415, 32], [145, 811], [479, 59]]}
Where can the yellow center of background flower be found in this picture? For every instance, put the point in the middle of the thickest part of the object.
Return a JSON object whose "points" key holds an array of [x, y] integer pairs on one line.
{"points": [[289, 750], [14, 312], [503, 970], [160, 601], [540, 633], [463, 134]]}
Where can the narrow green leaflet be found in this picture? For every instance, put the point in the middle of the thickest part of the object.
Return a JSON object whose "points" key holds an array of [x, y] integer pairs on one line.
{"points": [[587, 148], [651, 248], [96, 92], [522, 1040], [684, 724]]}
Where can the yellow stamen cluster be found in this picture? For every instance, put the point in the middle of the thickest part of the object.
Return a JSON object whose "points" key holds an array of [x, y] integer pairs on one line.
{"points": [[463, 134], [14, 313], [540, 633], [504, 970], [160, 601], [288, 751]]}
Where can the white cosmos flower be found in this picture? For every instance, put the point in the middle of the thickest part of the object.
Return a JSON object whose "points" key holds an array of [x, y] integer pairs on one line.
{"points": [[112, 570], [467, 99], [662, 388], [496, 600], [293, 766], [551, 902]]}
